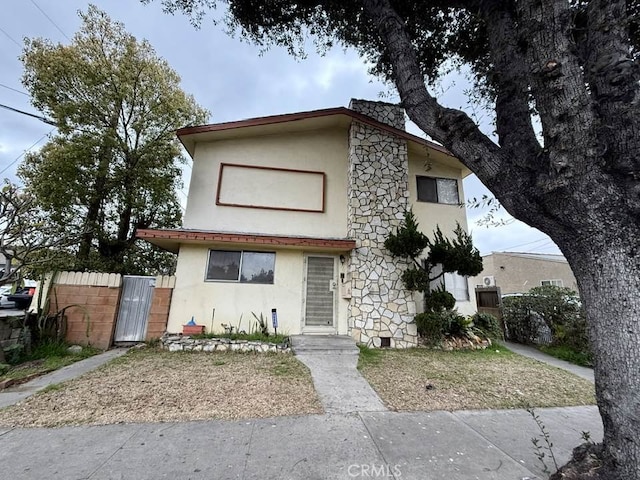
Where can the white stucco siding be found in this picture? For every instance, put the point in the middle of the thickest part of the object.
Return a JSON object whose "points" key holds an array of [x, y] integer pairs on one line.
{"points": [[314, 151], [193, 296], [430, 215]]}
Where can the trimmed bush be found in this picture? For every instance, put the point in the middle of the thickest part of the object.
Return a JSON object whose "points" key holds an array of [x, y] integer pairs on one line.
{"points": [[438, 300]]}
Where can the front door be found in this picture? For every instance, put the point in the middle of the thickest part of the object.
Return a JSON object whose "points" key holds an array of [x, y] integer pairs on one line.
{"points": [[319, 308]]}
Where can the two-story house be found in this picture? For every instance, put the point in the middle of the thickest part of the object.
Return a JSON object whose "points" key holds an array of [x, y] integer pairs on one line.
{"points": [[290, 212]]}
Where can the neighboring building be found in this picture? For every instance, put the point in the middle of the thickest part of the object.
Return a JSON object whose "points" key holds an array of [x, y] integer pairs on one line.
{"points": [[517, 272], [290, 212]]}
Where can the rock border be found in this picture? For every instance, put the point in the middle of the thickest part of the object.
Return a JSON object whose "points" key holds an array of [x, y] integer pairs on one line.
{"points": [[186, 343]]}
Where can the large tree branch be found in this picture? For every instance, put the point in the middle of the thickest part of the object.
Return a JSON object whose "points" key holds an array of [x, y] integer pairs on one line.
{"points": [[453, 128], [513, 113], [614, 79], [558, 86]]}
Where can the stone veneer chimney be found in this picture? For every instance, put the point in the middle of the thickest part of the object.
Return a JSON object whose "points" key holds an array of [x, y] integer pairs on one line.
{"points": [[380, 307]]}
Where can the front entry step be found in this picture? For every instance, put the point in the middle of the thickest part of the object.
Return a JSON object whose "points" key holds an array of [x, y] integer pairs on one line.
{"points": [[324, 345]]}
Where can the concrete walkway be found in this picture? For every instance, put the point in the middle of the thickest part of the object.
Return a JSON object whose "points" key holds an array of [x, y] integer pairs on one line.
{"points": [[332, 360], [532, 352], [20, 392]]}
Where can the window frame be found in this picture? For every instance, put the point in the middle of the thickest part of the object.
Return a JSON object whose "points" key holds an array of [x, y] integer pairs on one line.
{"points": [[437, 192], [240, 266], [552, 283]]}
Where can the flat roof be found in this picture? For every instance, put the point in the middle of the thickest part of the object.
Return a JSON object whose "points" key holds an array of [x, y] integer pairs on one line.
{"points": [[172, 239]]}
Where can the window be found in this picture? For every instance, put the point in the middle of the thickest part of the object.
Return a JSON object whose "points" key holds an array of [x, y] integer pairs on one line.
{"points": [[555, 283], [455, 284], [438, 190], [241, 266]]}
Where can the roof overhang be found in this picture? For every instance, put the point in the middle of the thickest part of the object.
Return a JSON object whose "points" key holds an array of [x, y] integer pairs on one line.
{"points": [[339, 117], [171, 240]]}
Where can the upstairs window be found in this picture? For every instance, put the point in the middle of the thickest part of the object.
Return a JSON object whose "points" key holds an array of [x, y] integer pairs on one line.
{"points": [[438, 190], [241, 266]]}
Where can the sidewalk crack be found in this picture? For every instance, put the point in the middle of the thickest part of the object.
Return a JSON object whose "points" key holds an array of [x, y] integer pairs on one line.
{"points": [[114, 453], [248, 454], [390, 474]]}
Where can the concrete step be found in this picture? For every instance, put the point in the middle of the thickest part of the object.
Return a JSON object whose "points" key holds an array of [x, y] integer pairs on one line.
{"points": [[324, 345]]}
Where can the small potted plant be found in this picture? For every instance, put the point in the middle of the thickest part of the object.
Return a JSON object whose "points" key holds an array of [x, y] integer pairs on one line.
{"points": [[192, 328]]}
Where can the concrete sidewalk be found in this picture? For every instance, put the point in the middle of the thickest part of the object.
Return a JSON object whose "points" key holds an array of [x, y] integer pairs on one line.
{"points": [[16, 394], [355, 439], [484, 445], [532, 352]]}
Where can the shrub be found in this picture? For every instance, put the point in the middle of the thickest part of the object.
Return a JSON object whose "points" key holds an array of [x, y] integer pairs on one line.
{"points": [[430, 326], [433, 326], [488, 325], [14, 354], [459, 325], [555, 308], [438, 300]]}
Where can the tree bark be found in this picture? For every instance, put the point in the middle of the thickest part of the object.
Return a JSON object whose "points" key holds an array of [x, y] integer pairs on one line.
{"points": [[608, 273], [584, 197]]}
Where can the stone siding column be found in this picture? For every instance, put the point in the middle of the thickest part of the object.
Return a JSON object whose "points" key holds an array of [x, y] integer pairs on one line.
{"points": [[380, 307]]}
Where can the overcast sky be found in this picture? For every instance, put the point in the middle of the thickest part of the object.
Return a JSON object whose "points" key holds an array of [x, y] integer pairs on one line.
{"points": [[227, 76]]}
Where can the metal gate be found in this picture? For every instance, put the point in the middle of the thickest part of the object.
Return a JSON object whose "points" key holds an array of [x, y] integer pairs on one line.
{"points": [[135, 304]]}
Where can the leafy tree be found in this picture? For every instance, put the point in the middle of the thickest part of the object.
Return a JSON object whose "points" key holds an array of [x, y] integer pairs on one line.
{"points": [[443, 256], [113, 167], [27, 239], [571, 64]]}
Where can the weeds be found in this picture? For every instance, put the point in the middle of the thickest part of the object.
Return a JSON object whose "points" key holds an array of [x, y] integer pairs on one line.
{"points": [[569, 354], [48, 356], [542, 445]]}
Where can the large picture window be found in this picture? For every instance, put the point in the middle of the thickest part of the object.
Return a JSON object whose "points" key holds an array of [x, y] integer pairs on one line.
{"points": [[241, 266], [438, 190]]}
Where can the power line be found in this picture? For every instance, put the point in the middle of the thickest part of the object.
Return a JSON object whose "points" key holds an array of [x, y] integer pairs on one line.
{"points": [[49, 18], [523, 244], [14, 89], [42, 119], [21, 155], [10, 37]]}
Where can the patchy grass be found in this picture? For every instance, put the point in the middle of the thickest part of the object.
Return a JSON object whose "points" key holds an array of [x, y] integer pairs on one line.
{"points": [[368, 356], [158, 386], [424, 379], [45, 358], [568, 354]]}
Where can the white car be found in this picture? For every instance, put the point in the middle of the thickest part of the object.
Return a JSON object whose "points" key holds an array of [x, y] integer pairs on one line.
{"points": [[5, 291]]}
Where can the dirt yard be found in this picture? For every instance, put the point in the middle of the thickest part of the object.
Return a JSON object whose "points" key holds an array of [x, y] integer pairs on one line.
{"points": [[423, 379], [155, 386]]}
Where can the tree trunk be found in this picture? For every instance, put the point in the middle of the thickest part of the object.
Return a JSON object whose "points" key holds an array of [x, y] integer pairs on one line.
{"points": [[609, 280]]}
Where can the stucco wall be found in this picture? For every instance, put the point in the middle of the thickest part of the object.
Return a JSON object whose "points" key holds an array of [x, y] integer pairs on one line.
{"points": [[319, 150], [517, 274], [430, 215], [193, 296]]}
